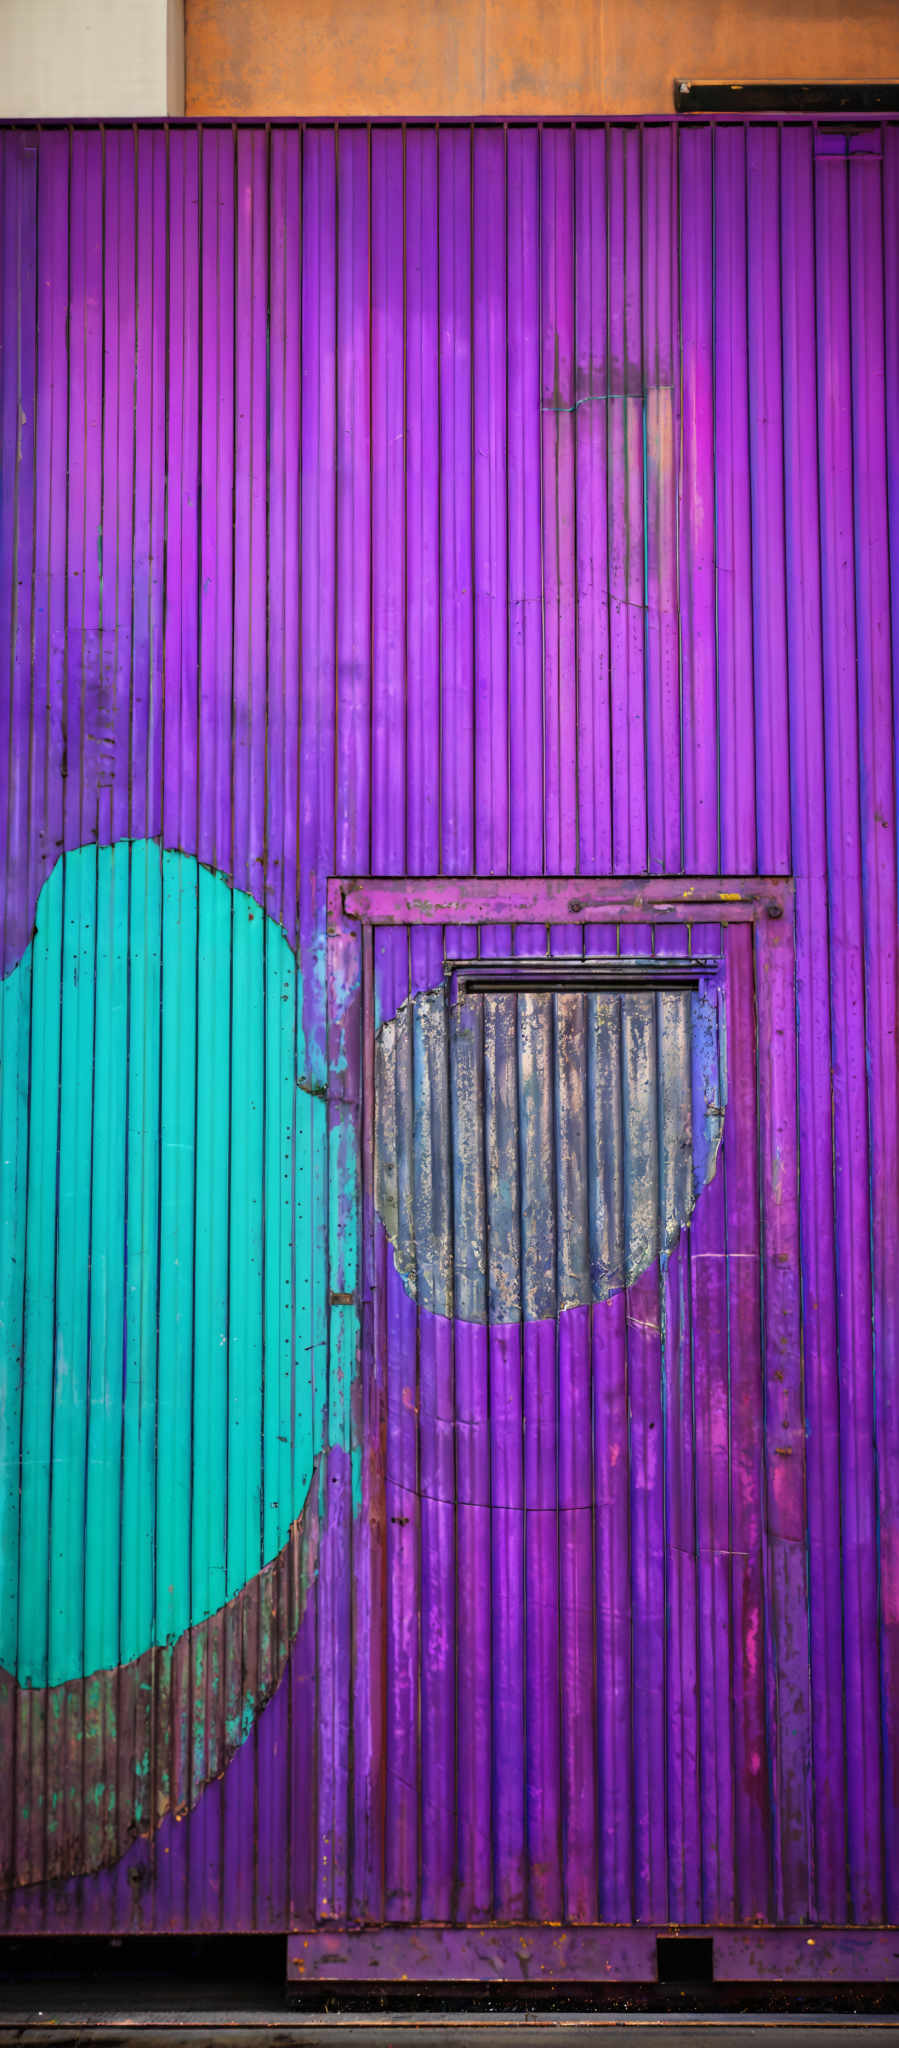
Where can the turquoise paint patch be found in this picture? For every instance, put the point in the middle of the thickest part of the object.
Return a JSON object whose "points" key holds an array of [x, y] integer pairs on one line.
{"points": [[159, 1321]]}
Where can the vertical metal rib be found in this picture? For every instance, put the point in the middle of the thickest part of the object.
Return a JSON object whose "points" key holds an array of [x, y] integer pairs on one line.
{"points": [[469, 1205], [501, 1158], [535, 1140], [571, 1119]]}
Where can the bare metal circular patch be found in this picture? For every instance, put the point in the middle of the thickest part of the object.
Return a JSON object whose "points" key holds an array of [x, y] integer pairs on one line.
{"points": [[537, 1151]]}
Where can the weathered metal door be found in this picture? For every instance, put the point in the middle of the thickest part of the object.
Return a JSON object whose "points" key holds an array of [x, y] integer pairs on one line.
{"points": [[572, 1640]]}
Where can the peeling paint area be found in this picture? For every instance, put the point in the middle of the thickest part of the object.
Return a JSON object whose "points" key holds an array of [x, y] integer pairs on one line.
{"points": [[537, 1152]]}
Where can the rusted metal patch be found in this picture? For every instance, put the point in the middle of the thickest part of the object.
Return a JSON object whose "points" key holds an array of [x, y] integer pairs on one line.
{"points": [[197, 1701]]}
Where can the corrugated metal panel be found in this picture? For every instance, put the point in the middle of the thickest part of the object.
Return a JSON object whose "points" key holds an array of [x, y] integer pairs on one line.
{"points": [[501, 501]]}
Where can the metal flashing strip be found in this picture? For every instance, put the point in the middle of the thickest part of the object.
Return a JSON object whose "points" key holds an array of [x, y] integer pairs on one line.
{"points": [[579, 899]]}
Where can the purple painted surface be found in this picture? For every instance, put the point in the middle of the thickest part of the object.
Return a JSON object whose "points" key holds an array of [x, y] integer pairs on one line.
{"points": [[493, 502]]}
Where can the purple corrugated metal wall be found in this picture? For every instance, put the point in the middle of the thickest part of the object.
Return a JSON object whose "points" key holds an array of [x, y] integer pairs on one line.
{"points": [[491, 501]]}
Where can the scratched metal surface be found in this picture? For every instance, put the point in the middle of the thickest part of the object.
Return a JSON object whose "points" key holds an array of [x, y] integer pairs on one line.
{"points": [[484, 501]]}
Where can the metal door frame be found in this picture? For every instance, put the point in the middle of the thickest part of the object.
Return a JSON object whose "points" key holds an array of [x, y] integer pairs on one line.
{"points": [[348, 1942]]}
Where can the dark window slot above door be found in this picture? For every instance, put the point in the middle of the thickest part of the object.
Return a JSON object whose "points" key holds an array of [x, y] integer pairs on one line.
{"points": [[579, 977], [779, 96]]}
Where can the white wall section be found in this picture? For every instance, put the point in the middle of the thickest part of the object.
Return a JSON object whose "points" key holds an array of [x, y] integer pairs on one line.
{"points": [[71, 58]]}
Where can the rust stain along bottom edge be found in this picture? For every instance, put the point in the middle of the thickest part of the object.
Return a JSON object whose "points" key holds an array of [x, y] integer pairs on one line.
{"points": [[531, 1953]]}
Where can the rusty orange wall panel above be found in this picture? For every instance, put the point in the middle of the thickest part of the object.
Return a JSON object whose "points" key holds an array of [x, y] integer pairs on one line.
{"points": [[480, 56]]}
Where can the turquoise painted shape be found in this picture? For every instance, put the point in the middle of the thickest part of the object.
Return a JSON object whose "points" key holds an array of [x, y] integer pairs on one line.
{"points": [[158, 1319]]}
